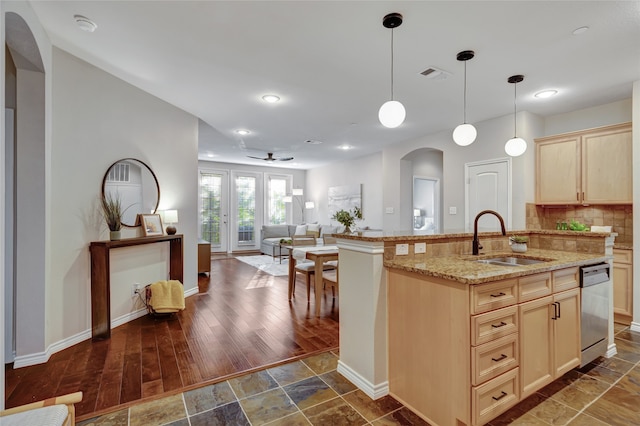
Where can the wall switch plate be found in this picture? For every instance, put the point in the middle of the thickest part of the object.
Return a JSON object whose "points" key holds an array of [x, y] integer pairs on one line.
{"points": [[420, 248], [453, 210], [388, 210], [402, 249]]}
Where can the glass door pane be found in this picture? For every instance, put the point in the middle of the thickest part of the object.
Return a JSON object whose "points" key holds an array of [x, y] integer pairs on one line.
{"points": [[213, 209]]}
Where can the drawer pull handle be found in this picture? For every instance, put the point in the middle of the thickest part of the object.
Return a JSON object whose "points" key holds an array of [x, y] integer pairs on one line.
{"points": [[498, 398], [498, 295], [502, 324], [503, 356]]}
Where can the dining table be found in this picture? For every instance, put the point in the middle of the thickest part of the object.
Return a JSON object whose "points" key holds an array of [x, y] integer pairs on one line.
{"points": [[318, 254]]}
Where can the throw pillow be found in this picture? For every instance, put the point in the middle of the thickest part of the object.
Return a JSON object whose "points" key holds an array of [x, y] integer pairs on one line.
{"points": [[313, 230], [328, 229], [301, 230]]}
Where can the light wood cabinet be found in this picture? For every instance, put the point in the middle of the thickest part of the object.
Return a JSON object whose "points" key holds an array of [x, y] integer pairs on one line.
{"points": [[587, 167], [623, 286], [462, 355]]}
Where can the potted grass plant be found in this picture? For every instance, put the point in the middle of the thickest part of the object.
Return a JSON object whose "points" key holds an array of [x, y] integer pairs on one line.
{"points": [[518, 243], [112, 214]]}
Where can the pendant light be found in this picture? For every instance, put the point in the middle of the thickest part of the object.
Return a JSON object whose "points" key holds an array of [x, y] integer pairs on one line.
{"points": [[392, 113], [465, 133], [515, 146]]}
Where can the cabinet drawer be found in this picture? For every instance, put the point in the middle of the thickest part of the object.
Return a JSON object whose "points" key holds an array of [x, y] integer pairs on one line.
{"points": [[494, 397], [492, 325], [487, 297], [493, 358], [565, 279], [622, 256], [534, 286]]}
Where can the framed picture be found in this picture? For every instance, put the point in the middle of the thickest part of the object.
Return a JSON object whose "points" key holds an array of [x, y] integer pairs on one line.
{"points": [[151, 224]]}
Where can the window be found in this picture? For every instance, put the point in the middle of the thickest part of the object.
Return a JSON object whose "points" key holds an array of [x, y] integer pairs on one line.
{"points": [[276, 191]]}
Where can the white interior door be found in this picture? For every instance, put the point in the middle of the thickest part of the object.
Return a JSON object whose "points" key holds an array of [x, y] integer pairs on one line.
{"points": [[214, 209], [488, 187]]}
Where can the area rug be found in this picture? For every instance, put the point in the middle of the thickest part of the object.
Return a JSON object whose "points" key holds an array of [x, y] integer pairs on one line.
{"points": [[268, 264]]}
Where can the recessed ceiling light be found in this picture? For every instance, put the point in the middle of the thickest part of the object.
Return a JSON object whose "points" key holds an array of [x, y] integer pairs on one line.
{"points": [[345, 147], [85, 23], [242, 132], [313, 142], [580, 30], [272, 99], [546, 94]]}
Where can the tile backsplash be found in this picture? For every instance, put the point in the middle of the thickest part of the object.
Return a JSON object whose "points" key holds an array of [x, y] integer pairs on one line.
{"points": [[619, 217]]}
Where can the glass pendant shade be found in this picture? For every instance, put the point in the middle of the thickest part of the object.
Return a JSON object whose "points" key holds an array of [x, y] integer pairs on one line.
{"points": [[392, 114], [464, 134], [515, 147]]}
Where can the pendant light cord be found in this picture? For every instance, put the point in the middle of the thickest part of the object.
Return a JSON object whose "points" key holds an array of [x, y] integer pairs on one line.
{"points": [[515, 96], [391, 63], [464, 102]]}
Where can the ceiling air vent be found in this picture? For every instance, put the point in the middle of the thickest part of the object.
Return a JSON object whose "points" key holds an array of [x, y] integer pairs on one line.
{"points": [[435, 73]]}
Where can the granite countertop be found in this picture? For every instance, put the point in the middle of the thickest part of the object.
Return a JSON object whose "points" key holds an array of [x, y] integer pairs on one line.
{"points": [[461, 268]]}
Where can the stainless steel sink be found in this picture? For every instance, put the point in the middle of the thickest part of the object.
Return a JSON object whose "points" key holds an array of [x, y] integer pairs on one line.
{"points": [[510, 261]]}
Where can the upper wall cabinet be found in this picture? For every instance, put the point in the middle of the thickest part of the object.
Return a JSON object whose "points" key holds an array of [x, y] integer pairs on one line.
{"points": [[588, 167]]}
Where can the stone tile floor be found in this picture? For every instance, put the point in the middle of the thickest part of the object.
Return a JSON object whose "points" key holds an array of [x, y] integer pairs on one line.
{"points": [[311, 391]]}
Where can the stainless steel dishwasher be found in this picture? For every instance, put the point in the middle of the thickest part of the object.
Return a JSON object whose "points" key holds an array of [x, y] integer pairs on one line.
{"points": [[594, 280]]}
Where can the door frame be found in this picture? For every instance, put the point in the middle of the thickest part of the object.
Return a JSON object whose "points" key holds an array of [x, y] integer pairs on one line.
{"points": [[467, 181]]}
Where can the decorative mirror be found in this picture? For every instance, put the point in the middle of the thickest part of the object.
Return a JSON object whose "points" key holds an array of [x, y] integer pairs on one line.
{"points": [[137, 187]]}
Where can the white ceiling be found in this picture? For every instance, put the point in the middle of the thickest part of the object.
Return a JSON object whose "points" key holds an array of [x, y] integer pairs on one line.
{"points": [[330, 63]]}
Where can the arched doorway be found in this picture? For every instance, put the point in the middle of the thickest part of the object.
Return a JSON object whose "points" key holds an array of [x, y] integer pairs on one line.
{"points": [[24, 195]]}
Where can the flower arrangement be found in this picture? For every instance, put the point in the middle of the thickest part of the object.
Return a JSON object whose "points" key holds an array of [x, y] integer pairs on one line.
{"points": [[347, 218], [112, 211]]}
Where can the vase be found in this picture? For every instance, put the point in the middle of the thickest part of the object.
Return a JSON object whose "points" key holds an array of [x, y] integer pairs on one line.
{"points": [[114, 235], [518, 247]]}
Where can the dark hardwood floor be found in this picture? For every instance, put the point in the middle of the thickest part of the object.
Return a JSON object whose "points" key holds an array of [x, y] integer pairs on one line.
{"points": [[240, 321]]}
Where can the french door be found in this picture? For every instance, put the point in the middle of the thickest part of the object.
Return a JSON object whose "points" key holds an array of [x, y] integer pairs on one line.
{"points": [[246, 210], [214, 209]]}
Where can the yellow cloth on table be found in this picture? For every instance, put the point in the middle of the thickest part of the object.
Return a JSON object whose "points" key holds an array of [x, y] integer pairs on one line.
{"points": [[167, 296]]}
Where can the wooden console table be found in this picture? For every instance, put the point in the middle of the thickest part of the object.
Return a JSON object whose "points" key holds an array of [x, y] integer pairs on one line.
{"points": [[101, 276]]}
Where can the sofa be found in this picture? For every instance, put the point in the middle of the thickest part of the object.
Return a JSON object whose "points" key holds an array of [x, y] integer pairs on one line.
{"points": [[270, 235]]}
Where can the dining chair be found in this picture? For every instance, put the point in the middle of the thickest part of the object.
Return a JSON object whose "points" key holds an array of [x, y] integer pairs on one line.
{"points": [[306, 267], [330, 277]]}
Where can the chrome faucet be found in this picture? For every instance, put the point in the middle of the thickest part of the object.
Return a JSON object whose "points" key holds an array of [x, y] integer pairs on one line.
{"points": [[476, 244]]}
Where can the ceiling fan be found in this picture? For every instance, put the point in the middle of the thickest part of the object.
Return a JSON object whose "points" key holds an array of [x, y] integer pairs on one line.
{"points": [[270, 157]]}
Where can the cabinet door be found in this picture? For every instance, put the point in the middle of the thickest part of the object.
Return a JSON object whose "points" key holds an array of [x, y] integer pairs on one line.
{"points": [[536, 351], [566, 329], [558, 170], [606, 166], [622, 292]]}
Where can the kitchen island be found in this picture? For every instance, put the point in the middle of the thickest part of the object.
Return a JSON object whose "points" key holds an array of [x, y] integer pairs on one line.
{"points": [[465, 340]]}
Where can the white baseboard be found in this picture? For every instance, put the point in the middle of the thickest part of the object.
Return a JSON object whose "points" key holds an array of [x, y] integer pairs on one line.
{"points": [[611, 350], [372, 391], [635, 326], [42, 357]]}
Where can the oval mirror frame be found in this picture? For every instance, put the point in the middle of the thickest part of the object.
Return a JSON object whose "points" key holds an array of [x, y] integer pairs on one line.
{"points": [[134, 192]]}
